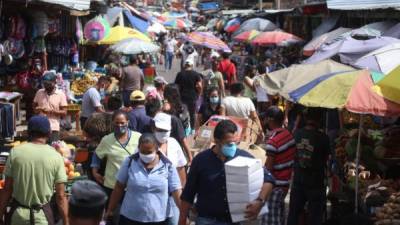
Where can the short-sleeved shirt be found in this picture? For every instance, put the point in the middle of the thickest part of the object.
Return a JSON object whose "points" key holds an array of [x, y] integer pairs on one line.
{"points": [[34, 178], [90, 101], [54, 101], [311, 156], [206, 111], [175, 153], [212, 78], [187, 80], [147, 192], [282, 147], [131, 78], [110, 149], [177, 130], [228, 68], [138, 119], [170, 45], [206, 180], [238, 106]]}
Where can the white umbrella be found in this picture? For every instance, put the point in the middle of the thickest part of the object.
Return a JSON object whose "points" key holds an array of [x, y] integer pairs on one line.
{"points": [[157, 28], [381, 60], [133, 46]]}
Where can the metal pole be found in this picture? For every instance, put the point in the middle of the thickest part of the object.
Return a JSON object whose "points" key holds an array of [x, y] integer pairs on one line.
{"points": [[260, 2], [358, 161]]}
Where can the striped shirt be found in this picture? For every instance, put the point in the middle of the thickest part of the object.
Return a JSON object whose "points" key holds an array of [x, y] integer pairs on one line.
{"points": [[281, 145]]}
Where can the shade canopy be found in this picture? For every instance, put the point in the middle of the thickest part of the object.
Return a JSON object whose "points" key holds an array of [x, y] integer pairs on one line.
{"points": [[120, 33]]}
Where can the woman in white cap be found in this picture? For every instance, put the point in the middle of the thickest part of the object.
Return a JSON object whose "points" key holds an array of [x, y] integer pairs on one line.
{"points": [[170, 148]]}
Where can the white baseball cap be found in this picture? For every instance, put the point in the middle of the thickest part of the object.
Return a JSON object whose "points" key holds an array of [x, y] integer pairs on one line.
{"points": [[189, 62], [162, 121]]}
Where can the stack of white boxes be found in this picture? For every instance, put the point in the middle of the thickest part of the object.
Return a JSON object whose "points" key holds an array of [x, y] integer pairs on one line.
{"points": [[244, 180]]}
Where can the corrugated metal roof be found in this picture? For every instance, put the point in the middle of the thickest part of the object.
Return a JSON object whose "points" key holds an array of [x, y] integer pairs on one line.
{"points": [[362, 4], [70, 4]]}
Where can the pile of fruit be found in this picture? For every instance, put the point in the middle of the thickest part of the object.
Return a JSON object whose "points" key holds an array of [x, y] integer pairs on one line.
{"points": [[70, 169], [389, 214], [80, 86]]}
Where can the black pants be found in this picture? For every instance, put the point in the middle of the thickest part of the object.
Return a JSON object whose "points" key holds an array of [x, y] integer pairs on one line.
{"points": [[83, 121], [191, 106], [125, 221]]}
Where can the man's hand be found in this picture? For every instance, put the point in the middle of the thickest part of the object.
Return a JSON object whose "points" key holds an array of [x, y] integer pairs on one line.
{"points": [[98, 178], [253, 209]]}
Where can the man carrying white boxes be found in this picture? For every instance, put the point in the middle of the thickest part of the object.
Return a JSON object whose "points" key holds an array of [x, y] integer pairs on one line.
{"points": [[229, 185]]}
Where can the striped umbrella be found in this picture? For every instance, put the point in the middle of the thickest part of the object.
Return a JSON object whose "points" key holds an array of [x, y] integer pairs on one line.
{"points": [[176, 24], [275, 38], [247, 36], [232, 25], [208, 40]]}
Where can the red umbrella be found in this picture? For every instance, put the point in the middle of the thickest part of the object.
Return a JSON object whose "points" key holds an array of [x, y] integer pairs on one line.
{"points": [[275, 38], [247, 36]]}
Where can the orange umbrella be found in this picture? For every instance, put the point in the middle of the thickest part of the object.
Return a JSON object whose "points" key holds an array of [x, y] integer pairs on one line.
{"points": [[275, 38]]}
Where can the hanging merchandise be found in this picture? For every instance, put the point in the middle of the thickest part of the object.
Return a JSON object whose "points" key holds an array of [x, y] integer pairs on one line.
{"points": [[14, 47], [17, 27], [40, 45], [54, 26], [79, 29], [96, 29], [40, 24]]}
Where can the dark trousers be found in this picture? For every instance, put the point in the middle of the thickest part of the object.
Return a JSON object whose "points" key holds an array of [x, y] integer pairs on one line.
{"points": [[126, 97], [315, 199], [125, 221], [83, 121], [192, 112]]}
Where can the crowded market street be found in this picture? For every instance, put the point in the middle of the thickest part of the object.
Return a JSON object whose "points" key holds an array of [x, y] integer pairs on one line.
{"points": [[200, 112]]}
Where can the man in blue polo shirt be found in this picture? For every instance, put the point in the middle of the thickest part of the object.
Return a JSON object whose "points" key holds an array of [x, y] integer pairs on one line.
{"points": [[206, 181]]}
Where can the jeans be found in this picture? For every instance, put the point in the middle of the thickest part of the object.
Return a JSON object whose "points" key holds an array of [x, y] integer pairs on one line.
{"points": [[169, 56], [208, 221], [316, 199], [174, 219], [126, 95], [7, 121], [125, 221]]}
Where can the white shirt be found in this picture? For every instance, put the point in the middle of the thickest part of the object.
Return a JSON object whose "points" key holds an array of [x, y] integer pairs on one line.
{"points": [[175, 153], [238, 106], [261, 93], [170, 45]]}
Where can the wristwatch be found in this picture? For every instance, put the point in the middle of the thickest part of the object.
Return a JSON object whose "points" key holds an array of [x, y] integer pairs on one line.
{"points": [[261, 200]]}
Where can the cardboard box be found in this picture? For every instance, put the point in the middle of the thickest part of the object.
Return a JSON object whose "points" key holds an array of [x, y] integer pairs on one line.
{"points": [[238, 198], [230, 178], [243, 166], [239, 217]]}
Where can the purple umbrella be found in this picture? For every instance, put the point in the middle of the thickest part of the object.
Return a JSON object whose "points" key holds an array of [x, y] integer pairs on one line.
{"points": [[393, 32], [350, 49]]}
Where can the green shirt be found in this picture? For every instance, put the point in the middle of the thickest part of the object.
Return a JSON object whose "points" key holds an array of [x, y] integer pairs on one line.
{"points": [[35, 169], [111, 150]]}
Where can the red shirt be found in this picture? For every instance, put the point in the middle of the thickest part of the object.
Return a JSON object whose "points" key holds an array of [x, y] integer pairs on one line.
{"points": [[282, 146], [226, 67]]}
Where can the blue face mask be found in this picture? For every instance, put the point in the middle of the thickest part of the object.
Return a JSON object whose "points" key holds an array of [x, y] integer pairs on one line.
{"points": [[120, 130], [214, 100], [229, 150]]}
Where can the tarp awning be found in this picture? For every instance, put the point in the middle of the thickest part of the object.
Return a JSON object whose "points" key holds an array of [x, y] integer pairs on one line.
{"points": [[80, 5], [362, 4], [206, 6]]}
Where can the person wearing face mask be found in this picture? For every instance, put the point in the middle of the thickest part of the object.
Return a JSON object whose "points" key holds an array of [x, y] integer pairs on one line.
{"points": [[114, 148], [52, 103], [210, 107], [91, 100], [170, 148], [206, 181], [149, 178]]}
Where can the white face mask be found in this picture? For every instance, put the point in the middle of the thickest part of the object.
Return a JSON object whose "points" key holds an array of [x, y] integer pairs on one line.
{"points": [[162, 137], [147, 158]]}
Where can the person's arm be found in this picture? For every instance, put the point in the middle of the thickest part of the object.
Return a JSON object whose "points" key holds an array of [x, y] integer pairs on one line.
{"points": [[184, 212], [254, 116], [177, 195], [115, 198], [234, 74], [254, 207], [222, 110], [141, 81], [186, 148], [62, 202], [189, 192], [199, 120], [249, 82], [182, 175], [5, 197], [221, 85], [296, 123], [95, 165]]}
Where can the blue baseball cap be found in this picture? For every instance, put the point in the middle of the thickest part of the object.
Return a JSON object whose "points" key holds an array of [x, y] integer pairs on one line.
{"points": [[39, 124]]}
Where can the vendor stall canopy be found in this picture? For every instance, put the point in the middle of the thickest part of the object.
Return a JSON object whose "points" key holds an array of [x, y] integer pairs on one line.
{"points": [[362, 4], [80, 5]]}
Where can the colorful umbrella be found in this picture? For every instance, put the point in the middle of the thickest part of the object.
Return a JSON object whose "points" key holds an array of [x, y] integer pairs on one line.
{"points": [[208, 40], [232, 25], [96, 29], [211, 24], [120, 33], [389, 86], [381, 60], [349, 90], [284, 81], [134, 46], [256, 24], [317, 42], [176, 24], [246, 36], [275, 38], [174, 15]]}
